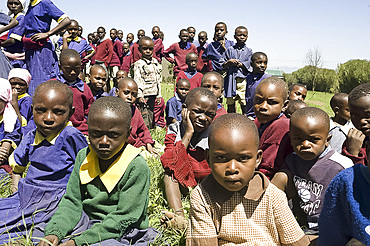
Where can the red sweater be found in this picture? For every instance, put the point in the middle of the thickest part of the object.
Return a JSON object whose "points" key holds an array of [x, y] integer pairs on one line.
{"points": [[117, 54], [361, 158], [203, 66], [220, 111], [104, 52], [126, 62], [136, 55], [158, 49], [195, 81], [180, 56], [140, 134], [275, 144]]}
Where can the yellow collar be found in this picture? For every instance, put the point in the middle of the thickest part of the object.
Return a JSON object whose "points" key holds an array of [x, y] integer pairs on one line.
{"points": [[35, 2], [76, 39], [39, 137], [1, 118], [90, 169], [20, 13], [23, 95]]}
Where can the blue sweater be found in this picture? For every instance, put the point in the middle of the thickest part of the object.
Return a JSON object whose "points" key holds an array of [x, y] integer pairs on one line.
{"points": [[346, 212]]}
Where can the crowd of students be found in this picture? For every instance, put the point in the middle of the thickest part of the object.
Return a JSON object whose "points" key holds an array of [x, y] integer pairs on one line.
{"points": [[76, 115]]}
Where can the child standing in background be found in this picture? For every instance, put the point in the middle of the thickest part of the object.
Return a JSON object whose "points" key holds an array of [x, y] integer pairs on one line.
{"points": [[130, 39], [134, 47], [104, 48], [119, 75], [174, 104], [191, 74], [237, 61], [126, 57], [116, 61], [158, 44], [203, 66]]}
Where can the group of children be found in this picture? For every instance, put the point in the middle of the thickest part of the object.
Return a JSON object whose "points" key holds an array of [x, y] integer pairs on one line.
{"points": [[279, 173]]}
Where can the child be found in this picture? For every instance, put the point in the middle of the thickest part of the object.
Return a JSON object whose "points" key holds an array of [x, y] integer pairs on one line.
{"points": [[191, 73], [179, 51], [19, 79], [127, 89], [104, 49], [119, 75], [308, 171], [135, 53], [237, 61], [126, 57], [41, 60], [10, 127], [216, 49], [297, 92], [51, 150], [98, 79], [105, 177], [235, 204], [70, 67], [259, 65], [174, 104], [214, 82], [203, 66], [345, 213], [158, 44], [71, 40], [273, 127], [120, 35], [192, 31], [340, 124], [148, 76], [359, 105], [116, 61], [183, 159], [7, 23], [130, 39], [294, 105]]}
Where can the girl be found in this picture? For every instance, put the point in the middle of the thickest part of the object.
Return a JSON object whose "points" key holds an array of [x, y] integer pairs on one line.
{"points": [[41, 59], [8, 23]]}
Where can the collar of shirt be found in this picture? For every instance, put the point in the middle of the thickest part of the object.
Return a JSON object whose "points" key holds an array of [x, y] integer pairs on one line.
{"points": [[219, 105], [76, 39], [190, 74], [90, 168], [147, 61], [79, 84], [184, 46], [39, 137], [177, 97], [325, 151], [1, 118], [20, 13], [128, 53], [35, 2], [23, 95], [263, 127]]}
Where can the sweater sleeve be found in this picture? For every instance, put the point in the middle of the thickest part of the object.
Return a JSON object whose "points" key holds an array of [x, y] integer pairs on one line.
{"points": [[361, 158], [134, 186], [139, 79], [167, 53]]}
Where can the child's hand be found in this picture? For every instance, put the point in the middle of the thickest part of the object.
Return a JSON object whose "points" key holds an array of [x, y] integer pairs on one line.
{"points": [[188, 126], [171, 220], [151, 149], [54, 240], [68, 243], [14, 97], [66, 35], [39, 36], [4, 154], [355, 140]]}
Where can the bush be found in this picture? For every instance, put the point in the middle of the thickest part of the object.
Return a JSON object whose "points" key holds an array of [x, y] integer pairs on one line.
{"points": [[353, 73]]}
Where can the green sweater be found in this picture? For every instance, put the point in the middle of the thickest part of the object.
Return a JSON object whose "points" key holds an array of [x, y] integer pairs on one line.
{"points": [[126, 206]]}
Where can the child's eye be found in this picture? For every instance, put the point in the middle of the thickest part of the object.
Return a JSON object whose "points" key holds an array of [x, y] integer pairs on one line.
{"points": [[113, 134], [221, 158], [244, 158], [59, 112], [40, 110]]}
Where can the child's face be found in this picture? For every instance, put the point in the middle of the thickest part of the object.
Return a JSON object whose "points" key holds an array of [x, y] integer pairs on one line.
{"points": [[73, 29], [191, 33], [155, 32], [308, 137], [71, 68], [220, 31], [192, 62], [268, 102], [129, 38], [146, 49], [19, 84], [259, 64], [241, 35], [98, 78], [79, 33], [14, 6], [120, 35], [113, 34], [106, 133], [182, 90], [90, 38], [140, 34], [233, 162], [128, 92], [121, 74], [360, 114], [298, 93], [51, 111], [202, 38], [201, 112], [126, 48], [213, 83], [184, 36], [343, 110], [101, 33]]}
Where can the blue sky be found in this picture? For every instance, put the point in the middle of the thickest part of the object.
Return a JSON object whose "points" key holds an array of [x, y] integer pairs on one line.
{"points": [[284, 30]]}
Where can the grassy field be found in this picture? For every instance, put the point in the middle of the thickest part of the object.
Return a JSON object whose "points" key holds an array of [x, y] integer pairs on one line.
{"points": [[157, 201]]}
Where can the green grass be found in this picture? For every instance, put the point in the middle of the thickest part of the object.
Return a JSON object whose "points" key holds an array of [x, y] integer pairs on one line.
{"points": [[320, 100]]}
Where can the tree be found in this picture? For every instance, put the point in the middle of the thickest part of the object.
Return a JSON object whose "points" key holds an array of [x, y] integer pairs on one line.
{"points": [[314, 61], [353, 73]]}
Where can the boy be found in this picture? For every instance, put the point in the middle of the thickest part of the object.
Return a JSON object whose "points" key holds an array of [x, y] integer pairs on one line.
{"points": [[148, 76], [294, 105], [237, 61], [340, 124], [214, 82], [158, 44], [273, 127], [104, 48], [359, 105], [130, 39], [105, 177], [307, 172], [191, 73], [174, 104], [297, 92], [70, 67], [235, 204], [203, 66], [259, 65], [115, 62], [183, 159], [120, 35], [126, 57], [98, 79], [216, 49], [139, 136], [135, 53], [179, 51]]}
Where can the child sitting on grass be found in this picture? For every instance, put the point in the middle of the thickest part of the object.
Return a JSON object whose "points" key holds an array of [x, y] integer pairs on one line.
{"points": [[98, 80], [183, 159], [174, 104], [51, 150], [273, 127], [139, 136], [307, 172], [235, 204], [119, 75], [191, 73], [108, 192], [297, 92]]}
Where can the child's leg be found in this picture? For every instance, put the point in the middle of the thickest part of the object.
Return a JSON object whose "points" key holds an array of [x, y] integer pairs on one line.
{"points": [[241, 85], [173, 195], [150, 102], [230, 101], [159, 113]]}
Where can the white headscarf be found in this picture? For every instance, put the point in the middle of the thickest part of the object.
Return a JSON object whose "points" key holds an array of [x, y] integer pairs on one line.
{"points": [[9, 114], [25, 4]]}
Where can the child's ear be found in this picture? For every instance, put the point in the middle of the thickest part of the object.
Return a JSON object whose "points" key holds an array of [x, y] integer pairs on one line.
{"points": [[285, 105], [259, 158], [328, 140], [336, 110]]}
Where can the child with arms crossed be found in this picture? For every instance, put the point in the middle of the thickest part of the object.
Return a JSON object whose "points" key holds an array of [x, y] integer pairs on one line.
{"points": [[191, 74]]}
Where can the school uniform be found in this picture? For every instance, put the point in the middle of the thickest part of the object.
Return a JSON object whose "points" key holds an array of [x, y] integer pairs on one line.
{"points": [[52, 160], [78, 44], [24, 104], [14, 137], [220, 111], [104, 52], [339, 134], [173, 109], [214, 52], [126, 62], [136, 54], [253, 81], [203, 66], [15, 52], [5, 65], [179, 50], [362, 155], [158, 49], [194, 78], [140, 135]]}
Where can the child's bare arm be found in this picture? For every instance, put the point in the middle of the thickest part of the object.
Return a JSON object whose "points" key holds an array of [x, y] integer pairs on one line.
{"points": [[15, 180], [5, 150], [54, 240], [91, 54], [14, 103], [63, 24], [230, 63], [13, 23], [189, 129], [355, 139], [65, 43], [284, 182]]}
